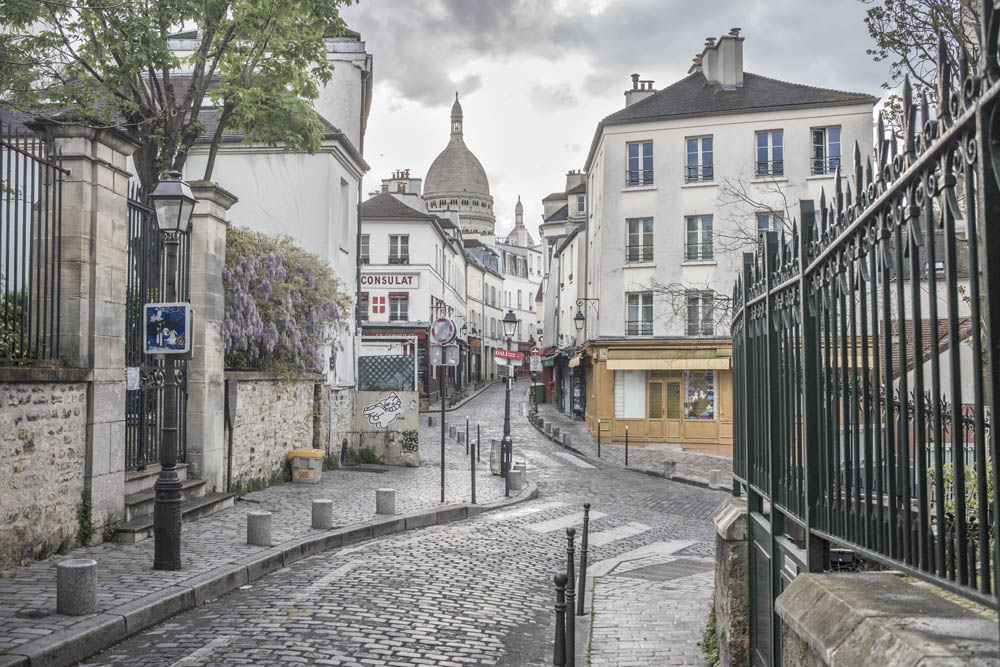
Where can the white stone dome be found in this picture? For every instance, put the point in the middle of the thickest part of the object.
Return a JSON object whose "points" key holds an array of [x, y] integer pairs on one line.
{"points": [[456, 170]]}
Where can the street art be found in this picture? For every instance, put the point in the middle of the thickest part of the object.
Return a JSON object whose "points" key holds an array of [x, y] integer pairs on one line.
{"points": [[384, 412]]}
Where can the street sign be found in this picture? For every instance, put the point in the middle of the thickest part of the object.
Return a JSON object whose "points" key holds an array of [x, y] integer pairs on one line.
{"points": [[510, 355], [168, 328], [437, 355], [451, 355], [536, 363], [443, 331], [536, 351]]}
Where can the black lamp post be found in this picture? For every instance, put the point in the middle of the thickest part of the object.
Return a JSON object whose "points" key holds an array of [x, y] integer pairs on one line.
{"points": [[579, 320], [174, 203], [506, 444], [534, 403]]}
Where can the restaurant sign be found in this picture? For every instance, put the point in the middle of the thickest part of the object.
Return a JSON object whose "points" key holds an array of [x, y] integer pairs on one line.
{"points": [[392, 280]]}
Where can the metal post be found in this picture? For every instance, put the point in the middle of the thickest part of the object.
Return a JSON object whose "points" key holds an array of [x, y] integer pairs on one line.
{"points": [[626, 445], [583, 560], [167, 489], [570, 595], [598, 438], [441, 382], [478, 449], [506, 444], [466, 435], [472, 463], [559, 647]]}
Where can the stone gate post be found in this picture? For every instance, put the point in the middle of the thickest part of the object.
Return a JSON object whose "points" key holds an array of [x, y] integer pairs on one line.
{"points": [[206, 381]]}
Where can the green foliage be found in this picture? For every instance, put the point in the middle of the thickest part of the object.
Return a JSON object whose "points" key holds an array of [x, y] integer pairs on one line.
{"points": [[260, 64], [282, 303], [243, 487], [362, 455], [13, 338], [972, 508], [110, 530], [84, 519], [709, 642], [330, 462]]}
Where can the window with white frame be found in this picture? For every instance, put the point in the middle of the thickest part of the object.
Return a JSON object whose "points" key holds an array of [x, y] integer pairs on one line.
{"points": [[639, 169], [519, 300], [698, 246], [639, 243], [700, 164], [770, 153], [399, 306], [825, 150], [769, 221], [365, 252], [399, 249], [581, 203], [700, 320], [639, 314], [630, 394]]}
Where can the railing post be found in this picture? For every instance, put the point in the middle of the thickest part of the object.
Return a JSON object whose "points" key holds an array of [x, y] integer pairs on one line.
{"points": [[559, 646], [583, 560], [810, 394], [570, 597]]}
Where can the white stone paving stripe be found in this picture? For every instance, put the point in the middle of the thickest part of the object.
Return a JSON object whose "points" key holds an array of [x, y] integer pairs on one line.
{"points": [[568, 521], [615, 534], [314, 588], [523, 511], [206, 651], [537, 459], [575, 460]]}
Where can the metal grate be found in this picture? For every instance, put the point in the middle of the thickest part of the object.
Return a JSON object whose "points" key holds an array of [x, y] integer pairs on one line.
{"points": [[386, 373]]}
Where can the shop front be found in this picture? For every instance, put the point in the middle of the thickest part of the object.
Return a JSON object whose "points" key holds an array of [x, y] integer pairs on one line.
{"points": [[663, 391]]}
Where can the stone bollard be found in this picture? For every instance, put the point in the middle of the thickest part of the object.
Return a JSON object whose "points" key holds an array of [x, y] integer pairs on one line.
{"points": [[430, 420], [461, 437], [714, 479], [565, 439], [259, 529], [555, 432], [76, 586], [669, 468], [451, 432], [540, 421], [548, 429], [385, 501], [322, 514]]}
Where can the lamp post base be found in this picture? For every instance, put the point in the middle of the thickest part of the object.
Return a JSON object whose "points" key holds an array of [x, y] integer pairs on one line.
{"points": [[167, 521]]}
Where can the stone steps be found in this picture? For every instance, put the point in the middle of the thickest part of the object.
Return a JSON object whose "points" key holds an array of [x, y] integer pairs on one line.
{"points": [[141, 503], [142, 480], [141, 528]]}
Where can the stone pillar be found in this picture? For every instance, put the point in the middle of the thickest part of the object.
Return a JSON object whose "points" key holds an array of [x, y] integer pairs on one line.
{"points": [[731, 583], [92, 302], [206, 368]]}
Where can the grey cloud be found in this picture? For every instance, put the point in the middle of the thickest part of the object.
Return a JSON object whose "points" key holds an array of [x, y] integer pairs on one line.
{"points": [[546, 96]]}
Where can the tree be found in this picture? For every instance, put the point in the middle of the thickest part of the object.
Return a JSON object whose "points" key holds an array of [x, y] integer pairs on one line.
{"points": [[260, 63]]}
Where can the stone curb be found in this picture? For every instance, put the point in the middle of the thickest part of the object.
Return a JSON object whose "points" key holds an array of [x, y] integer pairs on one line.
{"points": [[94, 634], [437, 410], [652, 472]]}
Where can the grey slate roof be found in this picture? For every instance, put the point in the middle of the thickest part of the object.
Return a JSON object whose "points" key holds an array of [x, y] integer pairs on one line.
{"points": [[384, 205], [695, 96], [559, 215], [554, 195], [577, 189]]}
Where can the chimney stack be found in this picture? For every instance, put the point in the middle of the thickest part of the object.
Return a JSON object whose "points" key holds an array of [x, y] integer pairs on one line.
{"points": [[722, 60], [640, 90]]}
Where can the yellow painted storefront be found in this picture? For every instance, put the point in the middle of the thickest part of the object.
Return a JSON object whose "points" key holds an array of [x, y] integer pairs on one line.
{"points": [[663, 391]]}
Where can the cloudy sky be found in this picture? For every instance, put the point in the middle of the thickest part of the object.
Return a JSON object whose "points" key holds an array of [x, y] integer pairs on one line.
{"points": [[535, 76]]}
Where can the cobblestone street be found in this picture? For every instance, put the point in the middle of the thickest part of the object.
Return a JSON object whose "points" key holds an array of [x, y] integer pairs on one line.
{"points": [[473, 592]]}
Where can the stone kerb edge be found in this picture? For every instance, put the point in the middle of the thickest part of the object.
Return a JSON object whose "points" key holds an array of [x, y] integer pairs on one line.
{"points": [[99, 632], [730, 519]]}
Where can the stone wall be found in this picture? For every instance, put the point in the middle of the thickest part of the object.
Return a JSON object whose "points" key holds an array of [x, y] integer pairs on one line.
{"points": [[273, 416], [43, 452], [732, 621], [341, 424]]}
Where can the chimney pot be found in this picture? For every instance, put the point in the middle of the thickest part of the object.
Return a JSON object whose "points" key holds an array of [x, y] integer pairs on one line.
{"points": [[635, 82], [735, 32]]}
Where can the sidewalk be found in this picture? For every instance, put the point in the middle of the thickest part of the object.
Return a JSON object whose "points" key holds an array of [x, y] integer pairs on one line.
{"points": [[216, 559], [691, 466]]}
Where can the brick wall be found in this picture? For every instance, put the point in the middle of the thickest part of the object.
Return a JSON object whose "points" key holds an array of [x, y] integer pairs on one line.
{"points": [[42, 461]]}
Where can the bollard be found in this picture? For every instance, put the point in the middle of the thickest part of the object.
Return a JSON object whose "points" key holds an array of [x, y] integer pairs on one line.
{"points": [[626, 445], [559, 649], [466, 435], [598, 438], [461, 440], [259, 529], [555, 432], [565, 437], [430, 420], [548, 428], [385, 501], [540, 422], [669, 469], [322, 514], [570, 595], [76, 586], [451, 431], [472, 462], [583, 560], [714, 479], [478, 443]]}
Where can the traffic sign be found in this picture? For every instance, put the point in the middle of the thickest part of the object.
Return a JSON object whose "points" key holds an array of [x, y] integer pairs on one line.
{"points": [[536, 363], [443, 331], [511, 355], [536, 351]]}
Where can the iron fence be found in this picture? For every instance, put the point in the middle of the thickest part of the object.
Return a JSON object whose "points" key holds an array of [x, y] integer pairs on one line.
{"points": [[31, 179], [869, 359]]}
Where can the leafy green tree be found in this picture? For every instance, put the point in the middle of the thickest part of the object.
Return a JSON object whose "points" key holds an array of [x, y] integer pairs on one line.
{"points": [[259, 62]]}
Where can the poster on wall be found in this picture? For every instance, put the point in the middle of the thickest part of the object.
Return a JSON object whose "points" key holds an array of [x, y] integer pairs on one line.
{"points": [[699, 395]]}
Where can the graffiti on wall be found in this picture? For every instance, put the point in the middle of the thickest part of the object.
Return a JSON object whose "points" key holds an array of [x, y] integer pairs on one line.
{"points": [[385, 411]]}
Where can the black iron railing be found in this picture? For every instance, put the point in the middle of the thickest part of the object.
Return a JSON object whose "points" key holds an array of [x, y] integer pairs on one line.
{"points": [[698, 173], [637, 177], [699, 252], [833, 325], [31, 178], [825, 165], [770, 168], [638, 253], [638, 328]]}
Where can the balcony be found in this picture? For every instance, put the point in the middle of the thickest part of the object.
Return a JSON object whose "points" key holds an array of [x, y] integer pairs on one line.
{"points": [[638, 253], [699, 252], [699, 173], [638, 328], [635, 178], [365, 259], [824, 165], [770, 168], [399, 259], [700, 328]]}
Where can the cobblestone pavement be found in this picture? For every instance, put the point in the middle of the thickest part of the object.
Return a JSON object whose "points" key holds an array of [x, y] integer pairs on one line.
{"points": [[652, 455], [477, 592]]}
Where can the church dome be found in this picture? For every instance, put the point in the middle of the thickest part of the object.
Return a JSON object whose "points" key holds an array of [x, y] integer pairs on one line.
{"points": [[456, 170]]}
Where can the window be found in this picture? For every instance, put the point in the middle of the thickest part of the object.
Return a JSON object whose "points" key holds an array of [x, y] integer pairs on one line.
{"points": [[365, 256], [699, 160], [639, 314], [770, 153], [656, 400], [699, 395], [639, 245], [400, 187], [640, 163], [700, 313], [698, 245], [581, 202], [825, 150], [769, 221], [519, 300], [630, 394], [465, 202], [399, 249], [399, 306], [378, 305], [363, 306], [442, 202]]}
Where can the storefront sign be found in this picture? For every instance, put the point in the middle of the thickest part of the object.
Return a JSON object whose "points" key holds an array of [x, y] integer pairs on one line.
{"points": [[393, 280], [511, 355]]}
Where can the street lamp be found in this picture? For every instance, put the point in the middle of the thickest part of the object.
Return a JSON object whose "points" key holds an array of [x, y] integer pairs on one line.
{"points": [[506, 444], [173, 203], [579, 321]]}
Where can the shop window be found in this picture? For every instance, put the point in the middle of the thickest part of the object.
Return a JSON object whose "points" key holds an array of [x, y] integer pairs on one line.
{"points": [[699, 395], [673, 400], [656, 400], [630, 394]]}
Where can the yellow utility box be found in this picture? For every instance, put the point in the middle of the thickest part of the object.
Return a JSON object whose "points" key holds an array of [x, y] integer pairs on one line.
{"points": [[307, 465]]}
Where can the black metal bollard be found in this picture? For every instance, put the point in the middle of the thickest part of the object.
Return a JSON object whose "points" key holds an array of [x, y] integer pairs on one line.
{"points": [[626, 445], [559, 648], [478, 450], [570, 596], [598, 438], [472, 461], [467, 437], [583, 560]]}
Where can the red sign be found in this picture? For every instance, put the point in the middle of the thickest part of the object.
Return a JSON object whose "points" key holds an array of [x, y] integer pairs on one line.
{"points": [[513, 355], [536, 351], [378, 304]]}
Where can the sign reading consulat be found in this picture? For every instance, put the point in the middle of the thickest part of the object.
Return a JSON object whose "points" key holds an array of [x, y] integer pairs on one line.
{"points": [[394, 280]]}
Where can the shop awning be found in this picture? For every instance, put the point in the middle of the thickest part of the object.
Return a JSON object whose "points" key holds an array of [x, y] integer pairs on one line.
{"points": [[549, 361], [575, 360], [712, 358]]}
